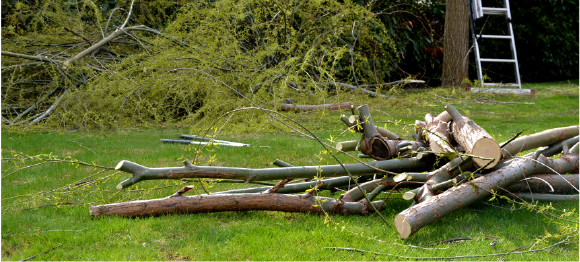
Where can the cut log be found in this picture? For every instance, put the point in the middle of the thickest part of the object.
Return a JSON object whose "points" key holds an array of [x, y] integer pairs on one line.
{"points": [[558, 147], [544, 138], [355, 194], [280, 163], [474, 139], [418, 177], [375, 145], [233, 202], [544, 183], [416, 217], [347, 146], [438, 134], [388, 134], [543, 197], [142, 173], [306, 108]]}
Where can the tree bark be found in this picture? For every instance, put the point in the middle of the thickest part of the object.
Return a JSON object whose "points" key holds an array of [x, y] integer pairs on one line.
{"points": [[328, 184], [438, 135], [374, 144], [563, 184], [355, 194], [474, 139], [544, 138], [354, 119], [306, 108], [233, 202], [347, 146], [456, 43], [416, 217], [141, 173], [544, 197], [558, 147]]}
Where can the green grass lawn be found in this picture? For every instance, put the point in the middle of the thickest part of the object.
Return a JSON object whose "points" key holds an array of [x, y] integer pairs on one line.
{"points": [[36, 219]]}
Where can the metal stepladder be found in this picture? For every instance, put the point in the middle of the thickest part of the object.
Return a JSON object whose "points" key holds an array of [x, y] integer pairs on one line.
{"points": [[476, 12]]}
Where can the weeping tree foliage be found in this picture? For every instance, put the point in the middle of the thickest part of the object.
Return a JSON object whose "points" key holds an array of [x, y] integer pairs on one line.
{"points": [[200, 59]]}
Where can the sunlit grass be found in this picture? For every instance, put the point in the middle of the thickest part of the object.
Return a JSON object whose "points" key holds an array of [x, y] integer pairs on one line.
{"points": [[36, 223]]}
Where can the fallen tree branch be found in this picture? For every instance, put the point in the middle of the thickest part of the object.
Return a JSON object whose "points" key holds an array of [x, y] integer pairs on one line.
{"points": [[544, 183], [306, 108], [416, 217], [29, 258], [448, 258], [544, 197], [52, 108], [232, 202], [29, 57], [544, 138], [142, 173], [329, 183], [100, 44]]}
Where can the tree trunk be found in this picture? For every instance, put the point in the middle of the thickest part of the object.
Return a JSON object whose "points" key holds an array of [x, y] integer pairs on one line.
{"points": [[141, 173], [232, 202], [474, 139], [456, 43], [416, 217]]}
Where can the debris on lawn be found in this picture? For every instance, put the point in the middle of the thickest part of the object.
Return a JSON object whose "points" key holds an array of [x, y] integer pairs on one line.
{"points": [[451, 163], [210, 141]]}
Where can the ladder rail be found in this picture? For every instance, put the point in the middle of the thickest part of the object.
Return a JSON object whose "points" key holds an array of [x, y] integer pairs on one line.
{"points": [[513, 43], [479, 12]]}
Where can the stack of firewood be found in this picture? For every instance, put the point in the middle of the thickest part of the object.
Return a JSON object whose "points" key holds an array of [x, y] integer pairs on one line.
{"points": [[450, 163]]}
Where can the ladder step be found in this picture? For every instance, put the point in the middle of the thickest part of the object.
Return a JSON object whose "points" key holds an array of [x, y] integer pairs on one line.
{"points": [[497, 36], [494, 11], [497, 60], [501, 84], [502, 90]]}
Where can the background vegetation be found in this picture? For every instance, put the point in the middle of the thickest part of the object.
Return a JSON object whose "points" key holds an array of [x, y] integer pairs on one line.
{"points": [[185, 72], [546, 35]]}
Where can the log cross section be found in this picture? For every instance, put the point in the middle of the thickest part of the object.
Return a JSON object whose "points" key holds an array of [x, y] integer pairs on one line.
{"points": [[474, 139]]}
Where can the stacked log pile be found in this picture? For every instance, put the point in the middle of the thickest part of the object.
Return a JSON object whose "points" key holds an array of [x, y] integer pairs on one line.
{"points": [[451, 163]]}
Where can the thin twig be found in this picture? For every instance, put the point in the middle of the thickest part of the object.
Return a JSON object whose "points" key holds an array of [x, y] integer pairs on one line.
{"points": [[47, 112], [79, 144], [511, 139], [445, 258], [29, 258], [128, 16]]}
